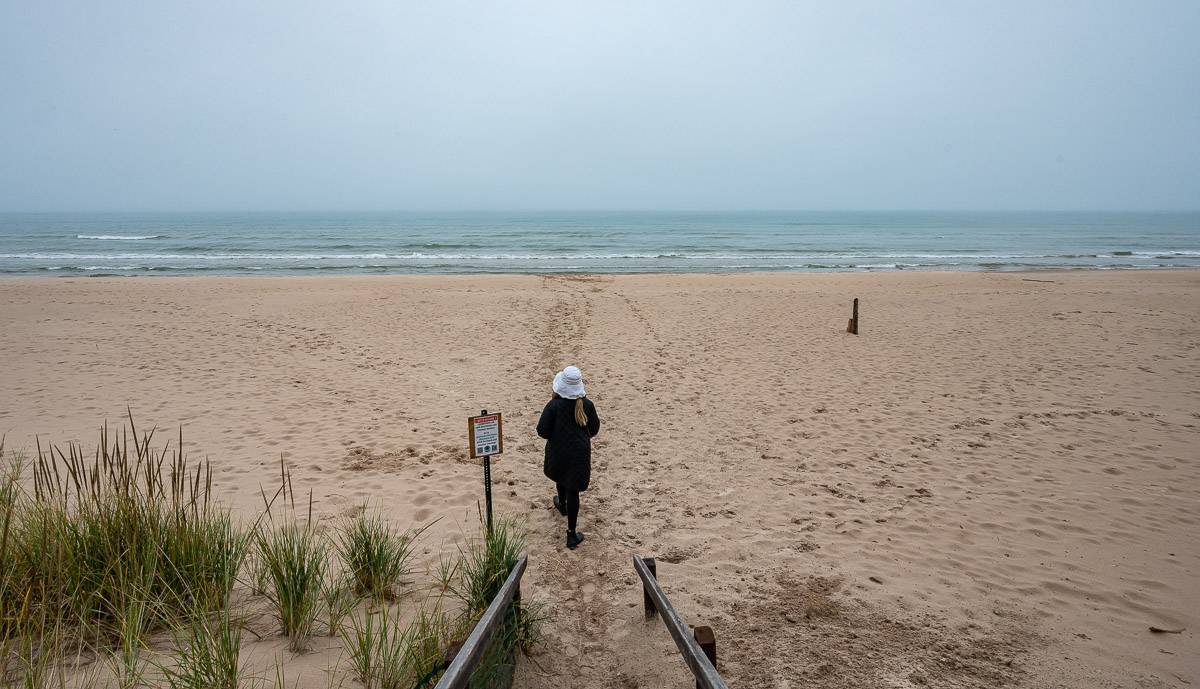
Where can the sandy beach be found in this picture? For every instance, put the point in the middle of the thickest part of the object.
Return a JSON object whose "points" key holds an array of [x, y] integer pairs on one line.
{"points": [[996, 483]]}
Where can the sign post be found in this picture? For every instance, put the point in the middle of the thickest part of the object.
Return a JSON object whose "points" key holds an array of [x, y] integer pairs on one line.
{"points": [[486, 434]]}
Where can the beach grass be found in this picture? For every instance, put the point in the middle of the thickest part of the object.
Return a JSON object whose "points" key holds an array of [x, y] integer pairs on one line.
{"points": [[482, 568], [377, 644], [207, 654], [131, 524], [385, 653], [296, 559], [445, 575], [100, 554], [338, 600], [485, 563], [362, 638], [103, 550], [428, 635], [375, 555], [388, 654], [131, 622], [98, 551]]}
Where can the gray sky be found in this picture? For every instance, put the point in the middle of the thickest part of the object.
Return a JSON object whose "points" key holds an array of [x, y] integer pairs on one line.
{"points": [[293, 105]]}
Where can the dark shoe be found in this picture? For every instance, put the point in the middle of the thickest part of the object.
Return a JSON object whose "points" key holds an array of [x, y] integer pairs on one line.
{"points": [[574, 539], [559, 506]]}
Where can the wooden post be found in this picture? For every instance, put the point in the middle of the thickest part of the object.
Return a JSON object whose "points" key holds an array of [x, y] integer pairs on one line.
{"points": [[852, 326], [708, 643], [647, 601], [450, 652], [696, 658]]}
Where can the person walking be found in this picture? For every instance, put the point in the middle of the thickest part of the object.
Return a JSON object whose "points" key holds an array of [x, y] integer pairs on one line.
{"points": [[568, 423]]}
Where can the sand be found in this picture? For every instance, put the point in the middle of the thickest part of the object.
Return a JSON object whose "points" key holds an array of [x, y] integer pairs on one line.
{"points": [[995, 483]]}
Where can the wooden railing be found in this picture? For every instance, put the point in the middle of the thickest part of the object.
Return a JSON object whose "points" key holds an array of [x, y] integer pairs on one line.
{"points": [[699, 649], [466, 658]]}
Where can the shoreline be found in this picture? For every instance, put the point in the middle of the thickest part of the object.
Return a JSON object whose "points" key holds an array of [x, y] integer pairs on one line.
{"points": [[567, 274]]}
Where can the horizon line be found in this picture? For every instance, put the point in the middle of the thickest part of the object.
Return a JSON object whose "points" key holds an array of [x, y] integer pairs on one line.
{"points": [[147, 211]]}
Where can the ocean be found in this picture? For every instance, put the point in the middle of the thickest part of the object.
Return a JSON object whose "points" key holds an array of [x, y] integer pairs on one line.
{"points": [[599, 242]]}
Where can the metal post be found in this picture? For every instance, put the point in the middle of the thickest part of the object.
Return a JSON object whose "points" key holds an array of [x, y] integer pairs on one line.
{"points": [[487, 483], [487, 488]]}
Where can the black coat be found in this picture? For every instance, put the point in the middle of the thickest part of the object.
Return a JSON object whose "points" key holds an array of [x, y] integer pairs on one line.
{"points": [[568, 445]]}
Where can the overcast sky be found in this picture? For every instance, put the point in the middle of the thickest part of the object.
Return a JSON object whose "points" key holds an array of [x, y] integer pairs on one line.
{"points": [[292, 105]]}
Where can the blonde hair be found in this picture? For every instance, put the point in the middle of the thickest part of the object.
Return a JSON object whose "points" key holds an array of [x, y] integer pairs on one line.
{"points": [[580, 414]]}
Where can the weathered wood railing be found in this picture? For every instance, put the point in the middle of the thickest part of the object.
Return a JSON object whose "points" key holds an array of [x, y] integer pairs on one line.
{"points": [[466, 657], [699, 650]]}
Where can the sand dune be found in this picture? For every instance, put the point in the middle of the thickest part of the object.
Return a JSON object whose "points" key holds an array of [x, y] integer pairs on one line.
{"points": [[996, 482]]}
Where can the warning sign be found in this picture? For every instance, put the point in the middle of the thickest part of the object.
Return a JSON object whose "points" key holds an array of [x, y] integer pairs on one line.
{"points": [[486, 434]]}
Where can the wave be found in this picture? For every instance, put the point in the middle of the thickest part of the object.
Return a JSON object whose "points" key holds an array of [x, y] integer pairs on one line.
{"points": [[454, 255], [120, 237], [332, 257], [457, 268], [468, 266]]}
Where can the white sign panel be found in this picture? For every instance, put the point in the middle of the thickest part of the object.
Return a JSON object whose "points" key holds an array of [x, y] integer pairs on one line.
{"points": [[486, 435]]}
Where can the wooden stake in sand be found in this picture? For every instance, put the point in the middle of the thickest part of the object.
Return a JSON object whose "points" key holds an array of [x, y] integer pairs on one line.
{"points": [[647, 601], [708, 643], [852, 326]]}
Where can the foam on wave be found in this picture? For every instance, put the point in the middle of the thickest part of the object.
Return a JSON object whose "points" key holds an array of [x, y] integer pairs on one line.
{"points": [[120, 237]]}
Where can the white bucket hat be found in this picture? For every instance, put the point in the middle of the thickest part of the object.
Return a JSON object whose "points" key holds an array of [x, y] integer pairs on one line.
{"points": [[568, 383]]}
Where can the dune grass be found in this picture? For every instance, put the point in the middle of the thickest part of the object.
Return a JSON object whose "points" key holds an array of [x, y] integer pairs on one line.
{"points": [[99, 552], [12, 604], [206, 654], [296, 559], [375, 643], [337, 601], [387, 654], [485, 563], [37, 662], [483, 566], [375, 555], [131, 524], [131, 621]]}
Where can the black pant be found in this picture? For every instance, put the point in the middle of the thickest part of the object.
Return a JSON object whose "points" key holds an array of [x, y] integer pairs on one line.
{"points": [[569, 499]]}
